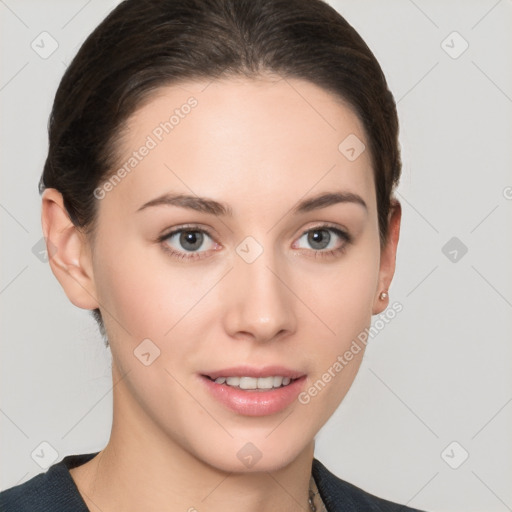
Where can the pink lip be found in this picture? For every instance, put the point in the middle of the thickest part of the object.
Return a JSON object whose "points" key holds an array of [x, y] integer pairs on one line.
{"points": [[254, 402], [251, 371]]}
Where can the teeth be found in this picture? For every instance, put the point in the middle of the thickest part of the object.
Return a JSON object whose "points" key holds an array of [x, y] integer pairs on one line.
{"points": [[254, 383], [277, 381], [266, 382]]}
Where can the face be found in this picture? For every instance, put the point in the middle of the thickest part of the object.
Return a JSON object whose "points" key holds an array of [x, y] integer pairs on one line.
{"points": [[266, 283]]}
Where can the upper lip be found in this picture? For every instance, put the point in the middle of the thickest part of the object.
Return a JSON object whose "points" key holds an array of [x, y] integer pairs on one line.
{"points": [[251, 371]]}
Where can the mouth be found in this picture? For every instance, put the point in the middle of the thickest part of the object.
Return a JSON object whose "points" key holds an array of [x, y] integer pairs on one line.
{"points": [[252, 391], [254, 383]]}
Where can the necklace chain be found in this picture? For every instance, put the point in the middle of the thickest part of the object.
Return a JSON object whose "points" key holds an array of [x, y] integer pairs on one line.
{"points": [[312, 494]]}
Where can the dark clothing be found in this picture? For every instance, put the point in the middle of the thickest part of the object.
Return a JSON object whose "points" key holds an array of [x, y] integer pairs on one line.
{"points": [[55, 491]]}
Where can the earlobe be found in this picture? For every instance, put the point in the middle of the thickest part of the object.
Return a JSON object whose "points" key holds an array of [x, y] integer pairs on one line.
{"points": [[388, 258], [67, 251]]}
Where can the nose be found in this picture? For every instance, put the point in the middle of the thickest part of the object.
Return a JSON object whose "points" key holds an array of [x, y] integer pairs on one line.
{"points": [[261, 304]]}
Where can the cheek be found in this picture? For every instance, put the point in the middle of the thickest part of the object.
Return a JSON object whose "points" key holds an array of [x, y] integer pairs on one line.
{"points": [[343, 295], [138, 300], [343, 299], [144, 295], [144, 300]]}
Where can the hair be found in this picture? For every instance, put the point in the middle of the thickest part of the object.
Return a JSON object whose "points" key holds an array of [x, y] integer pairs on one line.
{"points": [[142, 46]]}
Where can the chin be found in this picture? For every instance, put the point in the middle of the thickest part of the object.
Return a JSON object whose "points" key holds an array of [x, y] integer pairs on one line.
{"points": [[260, 455]]}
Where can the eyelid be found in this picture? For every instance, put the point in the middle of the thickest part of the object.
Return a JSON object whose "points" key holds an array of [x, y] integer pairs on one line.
{"points": [[186, 227], [328, 225], [341, 232], [184, 255], [197, 227]]}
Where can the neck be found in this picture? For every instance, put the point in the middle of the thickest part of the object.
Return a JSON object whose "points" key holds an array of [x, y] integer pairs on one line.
{"points": [[142, 468]]}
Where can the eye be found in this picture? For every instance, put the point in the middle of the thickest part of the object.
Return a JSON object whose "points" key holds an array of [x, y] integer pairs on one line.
{"points": [[185, 242], [322, 241], [187, 239]]}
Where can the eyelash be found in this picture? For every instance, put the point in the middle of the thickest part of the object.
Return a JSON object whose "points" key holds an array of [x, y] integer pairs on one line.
{"points": [[200, 255]]}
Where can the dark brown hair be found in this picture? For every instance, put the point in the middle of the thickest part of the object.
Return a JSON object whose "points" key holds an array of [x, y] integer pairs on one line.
{"points": [[144, 45]]}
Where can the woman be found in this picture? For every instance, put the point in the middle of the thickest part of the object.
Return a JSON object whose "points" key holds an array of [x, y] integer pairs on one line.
{"points": [[219, 192]]}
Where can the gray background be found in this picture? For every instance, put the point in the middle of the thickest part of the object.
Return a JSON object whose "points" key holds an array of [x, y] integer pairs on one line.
{"points": [[440, 372]]}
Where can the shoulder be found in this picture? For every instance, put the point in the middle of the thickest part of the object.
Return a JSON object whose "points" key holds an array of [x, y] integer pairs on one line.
{"points": [[53, 490], [339, 495]]}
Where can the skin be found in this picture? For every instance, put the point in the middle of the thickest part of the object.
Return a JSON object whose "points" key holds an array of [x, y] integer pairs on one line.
{"points": [[259, 146]]}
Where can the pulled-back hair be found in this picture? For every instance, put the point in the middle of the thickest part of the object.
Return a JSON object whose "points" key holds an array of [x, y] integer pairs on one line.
{"points": [[144, 45]]}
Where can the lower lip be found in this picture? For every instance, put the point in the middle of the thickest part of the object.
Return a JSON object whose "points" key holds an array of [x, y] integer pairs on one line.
{"points": [[252, 402]]}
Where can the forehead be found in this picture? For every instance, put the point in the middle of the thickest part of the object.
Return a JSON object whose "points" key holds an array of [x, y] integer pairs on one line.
{"points": [[238, 138]]}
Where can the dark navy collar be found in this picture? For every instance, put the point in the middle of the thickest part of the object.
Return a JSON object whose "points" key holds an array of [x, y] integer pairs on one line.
{"points": [[56, 490], [341, 496]]}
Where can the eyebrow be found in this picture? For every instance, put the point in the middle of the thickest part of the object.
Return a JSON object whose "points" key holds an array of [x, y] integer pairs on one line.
{"points": [[210, 206]]}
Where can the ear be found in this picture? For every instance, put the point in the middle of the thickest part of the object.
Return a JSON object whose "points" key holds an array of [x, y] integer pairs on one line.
{"points": [[388, 257], [68, 251]]}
